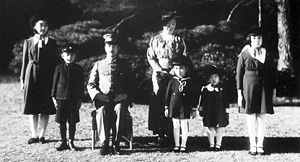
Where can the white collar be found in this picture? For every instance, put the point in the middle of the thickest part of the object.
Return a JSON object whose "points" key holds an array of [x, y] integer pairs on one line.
{"points": [[37, 39], [210, 88], [261, 57]]}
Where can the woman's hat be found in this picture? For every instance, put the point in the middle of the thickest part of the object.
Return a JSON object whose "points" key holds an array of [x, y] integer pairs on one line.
{"points": [[34, 19], [181, 61], [212, 69], [69, 48], [167, 16]]}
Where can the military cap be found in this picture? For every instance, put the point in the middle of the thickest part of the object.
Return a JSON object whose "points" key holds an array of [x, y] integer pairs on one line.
{"points": [[69, 48], [111, 38]]}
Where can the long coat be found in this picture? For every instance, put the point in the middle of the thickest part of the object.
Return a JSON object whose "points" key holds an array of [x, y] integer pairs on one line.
{"points": [[37, 73], [68, 87], [256, 80]]}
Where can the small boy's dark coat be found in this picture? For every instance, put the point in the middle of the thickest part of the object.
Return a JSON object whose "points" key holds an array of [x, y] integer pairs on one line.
{"points": [[68, 82], [67, 90]]}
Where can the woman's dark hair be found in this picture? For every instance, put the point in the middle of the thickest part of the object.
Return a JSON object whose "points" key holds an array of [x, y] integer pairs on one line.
{"points": [[34, 19], [253, 31]]}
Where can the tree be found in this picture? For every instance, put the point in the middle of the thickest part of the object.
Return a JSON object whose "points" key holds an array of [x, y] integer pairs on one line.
{"points": [[285, 57]]}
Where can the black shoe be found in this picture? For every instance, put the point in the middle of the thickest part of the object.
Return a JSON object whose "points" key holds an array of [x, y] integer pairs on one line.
{"points": [[218, 148], [182, 149], [211, 148], [42, 140], [176, 149], [252, 151], [62, 146], [104, 149], [33, 140], [72, 146]]}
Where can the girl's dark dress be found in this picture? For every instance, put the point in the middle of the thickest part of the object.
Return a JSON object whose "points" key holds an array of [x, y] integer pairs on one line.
{"points": [[37, 73], [214, 107], [255, 79], [181, 97]]}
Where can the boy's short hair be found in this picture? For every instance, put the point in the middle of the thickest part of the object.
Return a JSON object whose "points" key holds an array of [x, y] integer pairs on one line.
{"points": [[69, 48]]}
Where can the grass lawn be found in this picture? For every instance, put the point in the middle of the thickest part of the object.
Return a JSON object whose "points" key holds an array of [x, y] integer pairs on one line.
{"points": [[283, 137]]}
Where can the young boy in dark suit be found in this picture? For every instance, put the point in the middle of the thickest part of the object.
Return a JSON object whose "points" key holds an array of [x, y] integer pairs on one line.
{"points": [[67, 93]]}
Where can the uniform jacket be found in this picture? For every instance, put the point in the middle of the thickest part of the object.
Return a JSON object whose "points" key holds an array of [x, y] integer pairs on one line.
{"points": [[181, 96], [110, 78], [68, 82]]}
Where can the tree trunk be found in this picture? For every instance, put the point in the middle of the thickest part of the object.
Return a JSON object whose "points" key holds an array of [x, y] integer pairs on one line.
{"points": [[285, 57]]}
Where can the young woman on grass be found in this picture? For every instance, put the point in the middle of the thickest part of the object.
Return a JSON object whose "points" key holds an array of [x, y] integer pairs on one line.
{"points": [[40, 57], [254, 77]]}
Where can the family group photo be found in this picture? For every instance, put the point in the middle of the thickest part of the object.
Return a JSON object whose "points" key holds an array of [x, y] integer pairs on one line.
{"points": [[139, 80]]}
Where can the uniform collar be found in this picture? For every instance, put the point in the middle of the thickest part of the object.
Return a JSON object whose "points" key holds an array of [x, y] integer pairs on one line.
{"points": [[182, 79]]}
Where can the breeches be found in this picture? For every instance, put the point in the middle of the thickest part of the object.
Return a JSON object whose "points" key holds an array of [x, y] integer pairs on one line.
{"points": [[108, 118]]}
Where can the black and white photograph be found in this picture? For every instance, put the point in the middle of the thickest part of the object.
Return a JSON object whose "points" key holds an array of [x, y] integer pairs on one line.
{"points": [[149, 80]]}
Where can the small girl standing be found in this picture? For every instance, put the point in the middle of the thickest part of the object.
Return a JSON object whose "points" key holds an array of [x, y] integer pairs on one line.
{"points": [[213, 109], [180, 98]]}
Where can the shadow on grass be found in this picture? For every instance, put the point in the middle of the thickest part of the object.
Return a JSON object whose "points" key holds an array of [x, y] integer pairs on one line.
{"points": [[272, 144]]}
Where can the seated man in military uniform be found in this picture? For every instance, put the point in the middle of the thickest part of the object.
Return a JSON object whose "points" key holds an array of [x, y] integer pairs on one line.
{"points": [[110, 86]]}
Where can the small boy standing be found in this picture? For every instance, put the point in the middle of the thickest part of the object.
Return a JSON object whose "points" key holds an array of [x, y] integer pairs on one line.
{"points": [[212, 107], [67, 93], [180, 98]]}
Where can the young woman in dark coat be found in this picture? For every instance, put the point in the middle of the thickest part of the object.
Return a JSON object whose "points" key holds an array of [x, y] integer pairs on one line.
{"points": [[40, 58], [254, 77]]}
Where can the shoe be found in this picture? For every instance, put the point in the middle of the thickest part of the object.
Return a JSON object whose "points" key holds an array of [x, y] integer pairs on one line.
{"points": [[42, 140], [33, 140], [182, 149], [176, 149], [218, 148], [260, 151], [211, 148], [62, 146], [252, 150], [72, 146], [104, 149]]}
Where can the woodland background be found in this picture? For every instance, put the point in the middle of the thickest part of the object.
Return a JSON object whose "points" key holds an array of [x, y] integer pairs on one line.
{"points": [[211, 37]]}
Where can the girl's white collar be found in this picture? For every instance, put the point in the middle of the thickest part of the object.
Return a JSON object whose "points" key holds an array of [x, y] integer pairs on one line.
{"points": [[261, 57], [37, 39], [210, 88]]}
